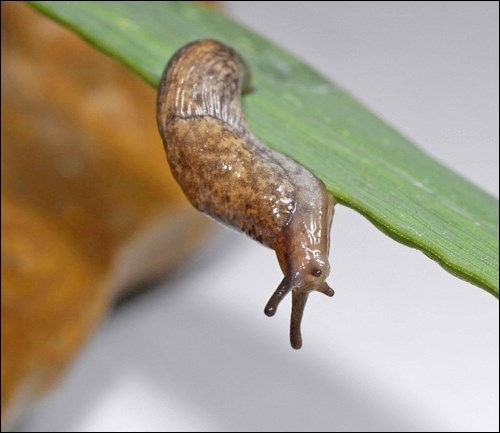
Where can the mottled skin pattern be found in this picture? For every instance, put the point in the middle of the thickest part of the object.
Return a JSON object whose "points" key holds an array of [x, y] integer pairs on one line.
{"points": [[228, 174]]}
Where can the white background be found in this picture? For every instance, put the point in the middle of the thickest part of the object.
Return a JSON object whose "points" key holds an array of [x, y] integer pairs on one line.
{"points": [[403, 346]]}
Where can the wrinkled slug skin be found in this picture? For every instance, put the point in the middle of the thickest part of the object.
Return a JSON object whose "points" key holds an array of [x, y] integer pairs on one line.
{"points": [[228, 174]]}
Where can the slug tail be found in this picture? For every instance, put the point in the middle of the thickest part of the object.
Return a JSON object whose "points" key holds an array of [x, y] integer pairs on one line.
{"points": [[208, 78]]}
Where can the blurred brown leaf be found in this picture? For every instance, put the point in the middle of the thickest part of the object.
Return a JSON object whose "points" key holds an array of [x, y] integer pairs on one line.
{"points": [[88, 204]]}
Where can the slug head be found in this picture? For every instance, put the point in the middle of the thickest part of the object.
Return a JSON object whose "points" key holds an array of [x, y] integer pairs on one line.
{"points": [[310, 277]]}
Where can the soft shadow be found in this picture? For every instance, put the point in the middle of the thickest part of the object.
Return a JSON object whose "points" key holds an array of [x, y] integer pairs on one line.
{"points": [[221, 370]]}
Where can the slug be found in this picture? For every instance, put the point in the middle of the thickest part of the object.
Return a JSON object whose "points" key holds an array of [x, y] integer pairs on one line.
{"points": [[230, 175]]}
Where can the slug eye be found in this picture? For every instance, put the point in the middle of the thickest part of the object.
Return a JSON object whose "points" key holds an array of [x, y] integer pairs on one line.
{"points": [[317, 272]]}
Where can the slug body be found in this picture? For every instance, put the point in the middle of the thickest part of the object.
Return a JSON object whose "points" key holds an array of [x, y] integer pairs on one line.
{"points": [[228, 174]]}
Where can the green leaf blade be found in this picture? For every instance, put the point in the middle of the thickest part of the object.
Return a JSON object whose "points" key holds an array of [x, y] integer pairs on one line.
{"points": [[365, 163]]}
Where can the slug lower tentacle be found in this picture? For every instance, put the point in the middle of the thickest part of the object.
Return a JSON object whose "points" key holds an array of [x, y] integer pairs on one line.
{"points": [[228, 174]]}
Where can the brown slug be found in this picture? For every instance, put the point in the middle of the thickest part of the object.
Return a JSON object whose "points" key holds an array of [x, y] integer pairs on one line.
{"points": [[228, 174]]}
